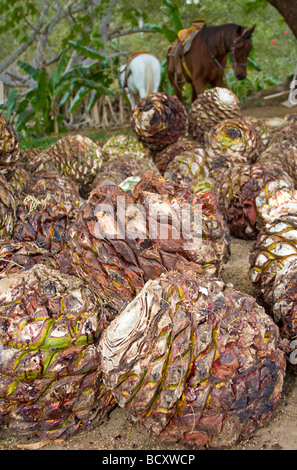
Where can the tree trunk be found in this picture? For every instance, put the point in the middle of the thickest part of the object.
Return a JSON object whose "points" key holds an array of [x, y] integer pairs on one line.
{"points": [[288, 9]]}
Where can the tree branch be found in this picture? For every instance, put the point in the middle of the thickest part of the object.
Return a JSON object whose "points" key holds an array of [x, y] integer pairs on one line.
{"points": [[19, 51], [12, 78], [44, 23], [117, 33], [57, 57]]}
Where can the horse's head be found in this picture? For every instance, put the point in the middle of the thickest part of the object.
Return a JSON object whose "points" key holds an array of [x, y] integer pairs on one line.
{"points": [[240, 49]]}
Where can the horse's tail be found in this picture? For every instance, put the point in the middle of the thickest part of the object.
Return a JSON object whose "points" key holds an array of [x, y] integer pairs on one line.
{"points": [[149, 78]]}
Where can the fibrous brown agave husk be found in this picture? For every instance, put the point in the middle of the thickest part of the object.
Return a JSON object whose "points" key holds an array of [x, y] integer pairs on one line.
{"points": [[232, 141], [243, 192], [108, 265], [163, 158], [118, 168], [262, 129], [275, 248], [188, 166], [284, 155], [8, 204], [50, 376], [27, 159], [211, 107], [287, 134], [75, 156], [194, 361], [120, 241], [18, 256], [18, 180], [159, 120], [9, 146], [51, 202], [211, 249], [62, 187]]}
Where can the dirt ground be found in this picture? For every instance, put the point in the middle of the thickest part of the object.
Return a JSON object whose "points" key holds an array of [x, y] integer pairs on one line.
{"points": [[120, 433]]}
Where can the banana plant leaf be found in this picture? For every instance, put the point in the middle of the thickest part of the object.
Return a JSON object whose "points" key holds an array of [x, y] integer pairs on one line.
{"points": [[87, 51]]}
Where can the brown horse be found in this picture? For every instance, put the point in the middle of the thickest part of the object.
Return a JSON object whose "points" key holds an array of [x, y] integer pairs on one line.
{"points": [[206, 59]]}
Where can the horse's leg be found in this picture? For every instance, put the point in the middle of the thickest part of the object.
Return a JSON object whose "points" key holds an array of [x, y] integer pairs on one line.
{"points": [[132, 99], [198, 87], [217, 82], [132, 92], [177, 91], [173, 77], [157, 76], [194, 94]]}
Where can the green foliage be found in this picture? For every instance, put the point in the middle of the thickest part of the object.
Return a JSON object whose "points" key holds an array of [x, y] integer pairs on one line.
{"points": [[269, 63], [39, 110], [254, 82], [42, 143], [174, 15], [251, 6], [11, 103], [80, 81], [87, 51], [14, 13], [29, 141], [35, 110], [175, 20]]}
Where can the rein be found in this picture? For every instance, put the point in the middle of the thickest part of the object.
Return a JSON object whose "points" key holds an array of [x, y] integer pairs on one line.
{"points": [[215, 60]]}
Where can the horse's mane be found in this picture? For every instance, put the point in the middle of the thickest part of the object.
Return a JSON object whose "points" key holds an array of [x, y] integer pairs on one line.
{"points": [[219, 38]]}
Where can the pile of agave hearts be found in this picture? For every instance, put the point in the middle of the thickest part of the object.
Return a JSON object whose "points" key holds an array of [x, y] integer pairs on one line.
{"points": [[92, 318]]}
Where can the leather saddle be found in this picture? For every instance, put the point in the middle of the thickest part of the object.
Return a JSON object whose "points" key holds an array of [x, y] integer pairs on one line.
{"points": [[181, 46]]}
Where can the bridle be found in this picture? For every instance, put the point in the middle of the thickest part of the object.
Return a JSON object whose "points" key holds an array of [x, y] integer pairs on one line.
{"points": [[232, 50]]}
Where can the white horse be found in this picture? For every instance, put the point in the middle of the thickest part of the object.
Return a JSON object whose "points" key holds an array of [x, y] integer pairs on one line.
{"points": [[143, 77]]}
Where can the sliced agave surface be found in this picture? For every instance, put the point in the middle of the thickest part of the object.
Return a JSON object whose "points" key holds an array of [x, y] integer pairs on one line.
{"points": [[276, 203], [275, 248], [120, 146], [195, 361], [119, 241], [245, 194], [188, 166]]}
